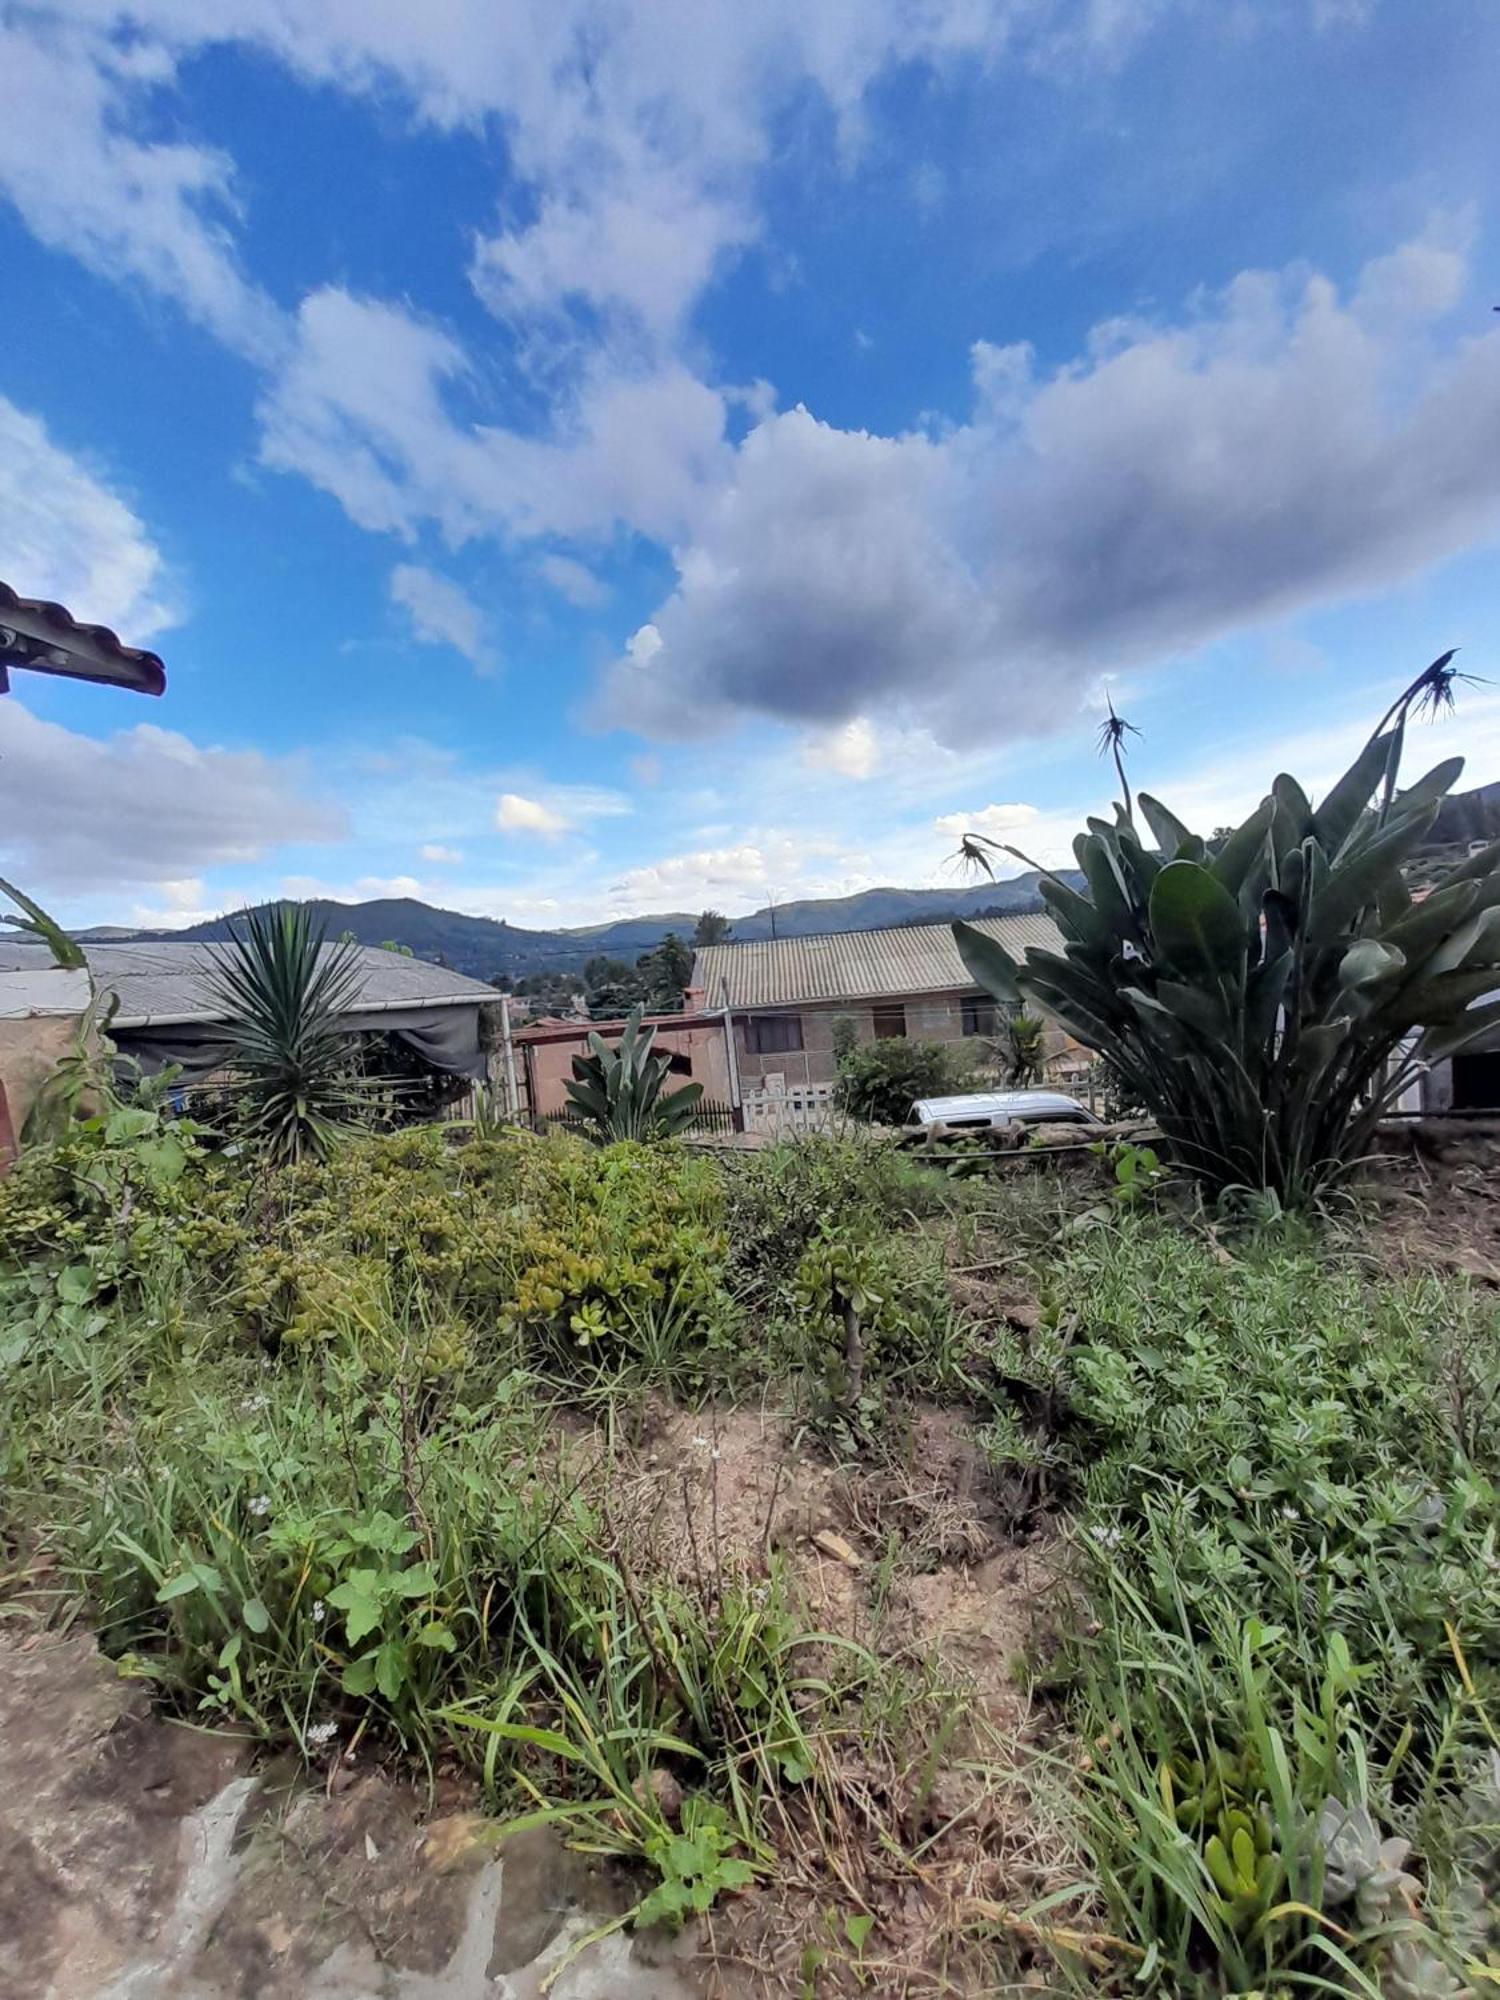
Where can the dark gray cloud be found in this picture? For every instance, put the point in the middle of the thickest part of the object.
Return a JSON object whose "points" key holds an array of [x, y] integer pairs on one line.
{"points": [[1283, 448]]}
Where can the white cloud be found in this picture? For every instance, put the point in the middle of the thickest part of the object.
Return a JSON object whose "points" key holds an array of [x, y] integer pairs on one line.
{"points": [[76, 162], [853, 751], [65, 535], [442, 613], [182, 903], [1277, 450], [440, 856], [993, 822], [690, 880], [144, 806], [575, 581], [515, 814], [360, 408]]}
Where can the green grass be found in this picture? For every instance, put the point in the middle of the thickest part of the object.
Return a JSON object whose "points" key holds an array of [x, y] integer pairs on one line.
{"points": [[332, 1454], [1285, 1522]]}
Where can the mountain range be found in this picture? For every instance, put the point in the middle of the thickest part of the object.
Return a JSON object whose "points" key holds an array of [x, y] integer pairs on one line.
{"points": [[485, 947]]}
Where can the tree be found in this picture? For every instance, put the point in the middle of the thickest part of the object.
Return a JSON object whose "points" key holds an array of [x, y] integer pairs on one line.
{"points": [[1269, 999], [665, 973], [711, 928], [612, 986], [282, 989]]}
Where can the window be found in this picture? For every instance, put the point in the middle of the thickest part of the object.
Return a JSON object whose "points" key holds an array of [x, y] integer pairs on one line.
{"points": [[979, 1015], [773, 1034], [890, 1021]]}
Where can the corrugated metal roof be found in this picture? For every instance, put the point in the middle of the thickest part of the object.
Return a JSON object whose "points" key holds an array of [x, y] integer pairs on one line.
{"points": [[854, 965], [93, 652], [171, 982]]}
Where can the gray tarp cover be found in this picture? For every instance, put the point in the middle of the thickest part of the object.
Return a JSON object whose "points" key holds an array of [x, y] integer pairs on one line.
{"points": [[447, 1036]]}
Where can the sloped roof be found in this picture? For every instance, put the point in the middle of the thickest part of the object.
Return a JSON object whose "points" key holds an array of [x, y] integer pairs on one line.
{"points": [[854, 965], [166, 983], [47, 639]]}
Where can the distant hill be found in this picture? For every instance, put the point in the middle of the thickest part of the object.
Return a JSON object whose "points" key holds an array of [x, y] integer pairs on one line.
{"points": [[484, 947], [1467, 817]]}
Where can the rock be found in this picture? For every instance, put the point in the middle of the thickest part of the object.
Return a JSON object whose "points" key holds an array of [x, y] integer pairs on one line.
{"points": [[835, 1546], [664, 1788], [457, 1841]]}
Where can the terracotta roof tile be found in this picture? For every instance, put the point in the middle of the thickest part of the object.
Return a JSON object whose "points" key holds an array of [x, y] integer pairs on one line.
{"points": [[94, 652]]}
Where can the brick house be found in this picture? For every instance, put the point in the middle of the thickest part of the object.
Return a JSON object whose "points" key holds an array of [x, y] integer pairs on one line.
{"points": [[785, 995]]}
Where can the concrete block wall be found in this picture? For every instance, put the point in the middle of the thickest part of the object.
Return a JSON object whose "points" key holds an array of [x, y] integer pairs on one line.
{"points": [[930, 1017]]}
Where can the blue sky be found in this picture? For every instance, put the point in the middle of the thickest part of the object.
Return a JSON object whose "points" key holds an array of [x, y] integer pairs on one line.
{"points": [[580, 460]]}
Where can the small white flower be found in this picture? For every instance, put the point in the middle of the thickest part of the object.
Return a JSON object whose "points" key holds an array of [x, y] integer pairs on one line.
{"points": [[700, 1444], [319, 1611], [252, 1404], [261, 1504], [1107, 1538], [321, 1733]]}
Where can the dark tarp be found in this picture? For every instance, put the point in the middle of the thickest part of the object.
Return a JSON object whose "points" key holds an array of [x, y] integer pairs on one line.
{"points": [[448, 1037]]}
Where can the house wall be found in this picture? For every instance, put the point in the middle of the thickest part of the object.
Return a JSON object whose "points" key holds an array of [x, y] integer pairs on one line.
{"points": [[930, 1017], [549, 1063]]}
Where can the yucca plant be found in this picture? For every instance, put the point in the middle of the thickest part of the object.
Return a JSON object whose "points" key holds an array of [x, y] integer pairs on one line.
{"points": [[1268, 996], [619, 1092], [284, 989]]}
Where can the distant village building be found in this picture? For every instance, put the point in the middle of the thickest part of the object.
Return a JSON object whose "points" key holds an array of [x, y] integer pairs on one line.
{"points": [[166, 1010], [785, 996]]}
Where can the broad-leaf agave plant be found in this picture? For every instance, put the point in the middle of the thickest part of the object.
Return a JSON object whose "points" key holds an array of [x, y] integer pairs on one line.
{"points": [[619, 1091], [284, 991], [1268, 995]]}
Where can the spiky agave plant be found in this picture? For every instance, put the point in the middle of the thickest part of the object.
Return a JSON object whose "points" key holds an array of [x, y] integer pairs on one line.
{"points": [[619, 1091], [1267, 999], [283, 989]]}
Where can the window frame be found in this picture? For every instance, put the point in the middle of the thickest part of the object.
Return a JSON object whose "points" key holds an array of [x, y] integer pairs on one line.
{"points": [[758, 1044], [972, 1008], [888, 1008]]}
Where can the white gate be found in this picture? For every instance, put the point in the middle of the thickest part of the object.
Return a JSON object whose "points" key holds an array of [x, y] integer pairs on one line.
{"points": [[793, 1110]]}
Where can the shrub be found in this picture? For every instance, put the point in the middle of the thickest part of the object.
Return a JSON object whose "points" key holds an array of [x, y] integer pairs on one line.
{"points": [[283, 991], [878, 1081], [1256, 994], [776, 1202], [620, 1092]]}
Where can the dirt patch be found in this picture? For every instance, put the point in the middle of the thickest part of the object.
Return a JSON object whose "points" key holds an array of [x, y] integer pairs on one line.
{"points": [[719, 1495], [919, 1828], [981, 1624], [1436, 1202]]}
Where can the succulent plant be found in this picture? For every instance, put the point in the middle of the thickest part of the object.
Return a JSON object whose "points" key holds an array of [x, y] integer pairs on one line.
{"points": [[1268, 994]]}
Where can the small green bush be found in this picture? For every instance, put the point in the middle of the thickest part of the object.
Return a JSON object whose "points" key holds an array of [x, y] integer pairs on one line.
{"points": [[878, 1081]]}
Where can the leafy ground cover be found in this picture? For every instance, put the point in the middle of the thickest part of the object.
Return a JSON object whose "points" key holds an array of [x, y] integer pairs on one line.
{"points": [[949, 1586]]}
